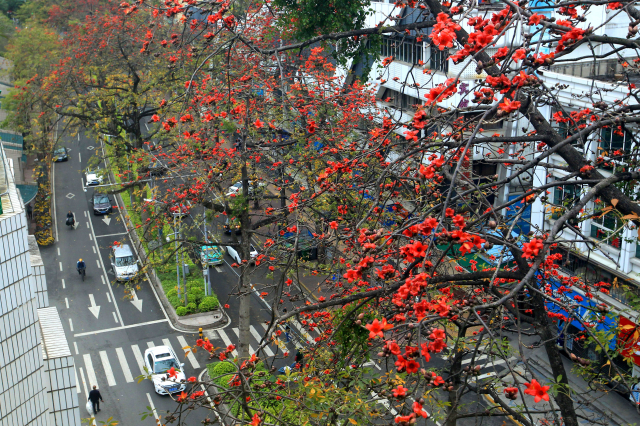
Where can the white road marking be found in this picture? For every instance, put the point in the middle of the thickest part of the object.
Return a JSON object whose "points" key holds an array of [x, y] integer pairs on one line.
{"points": [[125, 365], [139, 359], [218, 269], [115, 317], [135, 301], [151, 345], [103, 281], [226, 341], [66, 302], [91, 237], [258, 337], [111, 380], [70, 324], [78, 137], [75, 346], [110, 289], [85, 213], [84, 382], [98, 262], [237, 331], [112, 235], [192, 359], [63, 286], [84, 188], [467, 361], [94, 249], [108, 298], [60, 266], [122, 327], [91, 375], [53, 194], [88, 225], [77, 381], [153, 408], [79, 156], [278, 342], [93, 308], [58, 251]]}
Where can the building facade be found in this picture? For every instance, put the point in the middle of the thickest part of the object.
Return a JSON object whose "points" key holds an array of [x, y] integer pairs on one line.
{"points": [[28, 396]]}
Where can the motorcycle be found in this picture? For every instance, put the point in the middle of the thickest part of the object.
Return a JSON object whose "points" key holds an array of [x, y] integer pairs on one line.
{"points": [[71, 221]]}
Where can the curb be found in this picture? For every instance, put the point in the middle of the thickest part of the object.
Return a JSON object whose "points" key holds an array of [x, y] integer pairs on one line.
{"points": [[153, 278]]}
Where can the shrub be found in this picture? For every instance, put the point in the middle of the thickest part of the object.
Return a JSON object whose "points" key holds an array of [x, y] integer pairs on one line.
{"points": [[225, 369], [191, 307], [181, 311], [196, 294], [209, 303], [172, 293]]}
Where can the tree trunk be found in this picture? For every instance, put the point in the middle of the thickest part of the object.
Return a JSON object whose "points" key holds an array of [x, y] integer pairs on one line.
{"points": [[563, 399]]}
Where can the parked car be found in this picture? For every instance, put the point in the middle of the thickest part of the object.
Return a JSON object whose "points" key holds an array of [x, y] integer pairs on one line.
{"points": [[93, 177], [236, 188], [233, 224], [211, 255], [158, 361], [235, 255], [101, 203], [124, 265], [60, 154]]}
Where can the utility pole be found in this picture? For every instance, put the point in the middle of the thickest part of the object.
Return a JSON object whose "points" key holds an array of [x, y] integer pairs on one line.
{"points": [[175, 239]]}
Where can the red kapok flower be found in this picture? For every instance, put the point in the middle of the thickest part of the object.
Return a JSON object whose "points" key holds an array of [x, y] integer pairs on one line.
{"points": [[377, 328], [538, 391]]}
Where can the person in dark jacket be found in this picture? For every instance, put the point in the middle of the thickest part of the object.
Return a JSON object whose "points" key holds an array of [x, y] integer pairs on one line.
{"points": [[95, 398]]}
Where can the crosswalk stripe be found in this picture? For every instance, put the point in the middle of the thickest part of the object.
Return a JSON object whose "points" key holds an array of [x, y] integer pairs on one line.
{"points": [[226, 341], [237, 331], [467, 361], [166, 342], [192, 359], [125, 365], [151, 345], [279, 342], [77, 381], [111, 380], [139, 359], [258, 337], [303, 332], [91, 375]]}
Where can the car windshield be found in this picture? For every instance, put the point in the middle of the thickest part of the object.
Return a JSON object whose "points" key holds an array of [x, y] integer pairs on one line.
{"points": [[164, 365], [59, 151], [210, 251], [101, 199], [125, 261]]}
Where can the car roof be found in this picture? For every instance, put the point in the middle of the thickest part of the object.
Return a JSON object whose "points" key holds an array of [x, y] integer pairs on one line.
{"points": [[123, 250], [160, 352], [95, 194]]}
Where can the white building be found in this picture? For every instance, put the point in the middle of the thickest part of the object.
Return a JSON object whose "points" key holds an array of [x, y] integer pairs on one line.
{"points": [[37, 380]]}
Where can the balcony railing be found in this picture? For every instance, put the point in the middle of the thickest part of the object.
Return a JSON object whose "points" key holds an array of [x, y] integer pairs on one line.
{"points": [[610, 69]]}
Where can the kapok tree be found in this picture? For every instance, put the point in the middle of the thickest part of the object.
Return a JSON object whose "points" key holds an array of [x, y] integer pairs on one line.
{"points": [[397, 273]]}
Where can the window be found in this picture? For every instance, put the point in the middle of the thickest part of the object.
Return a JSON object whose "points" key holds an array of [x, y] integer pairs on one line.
{"points": [[438, 59], [402, 49], [564, 195], [569, 128], [399, 100], [607, 228], [150, 362], [472, 117], [614, 143]]}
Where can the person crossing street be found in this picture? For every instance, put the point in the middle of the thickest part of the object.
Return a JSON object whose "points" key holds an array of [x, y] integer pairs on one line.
{"points": [[95, 398]]}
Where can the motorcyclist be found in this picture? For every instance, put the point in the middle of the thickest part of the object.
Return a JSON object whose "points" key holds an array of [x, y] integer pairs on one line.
{"points": [[80, 266], [70, 219]]}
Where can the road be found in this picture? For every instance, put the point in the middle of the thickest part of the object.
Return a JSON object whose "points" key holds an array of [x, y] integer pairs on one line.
{"points": [[106, 330]]}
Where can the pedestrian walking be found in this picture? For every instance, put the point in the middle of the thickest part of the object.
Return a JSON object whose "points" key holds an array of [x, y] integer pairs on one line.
{"points": [[29, 212], [95, 398]]}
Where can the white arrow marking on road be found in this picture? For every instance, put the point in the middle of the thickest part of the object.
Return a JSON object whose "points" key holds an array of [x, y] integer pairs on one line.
{"points": [[106, 220], [95, 310], [136, 302]]}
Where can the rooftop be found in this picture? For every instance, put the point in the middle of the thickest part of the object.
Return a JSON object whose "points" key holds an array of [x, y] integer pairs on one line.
{"points": [[54, 341], [9, 195]]}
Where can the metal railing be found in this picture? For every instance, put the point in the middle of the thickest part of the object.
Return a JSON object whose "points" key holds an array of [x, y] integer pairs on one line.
{"points": [[607, 69]]}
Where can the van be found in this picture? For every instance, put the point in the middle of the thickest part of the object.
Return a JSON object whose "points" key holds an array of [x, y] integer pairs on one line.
{"points": [[124, 264]]}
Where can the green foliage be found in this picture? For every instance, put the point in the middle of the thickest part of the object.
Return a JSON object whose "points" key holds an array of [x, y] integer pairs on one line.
{"points": [[191, 307], [195, 294], [352, 339], [209, 303], [181, 311]]}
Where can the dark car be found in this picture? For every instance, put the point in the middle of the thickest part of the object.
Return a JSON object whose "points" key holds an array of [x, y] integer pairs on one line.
{"points": [[60, 154], [234, 223], [101, 204]]}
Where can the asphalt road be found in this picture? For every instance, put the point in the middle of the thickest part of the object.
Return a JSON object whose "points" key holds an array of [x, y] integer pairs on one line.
{"points": [[106, 330]]}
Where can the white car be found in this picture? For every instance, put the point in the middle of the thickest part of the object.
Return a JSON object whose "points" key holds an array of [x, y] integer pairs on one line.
{"points": [[93, 178], [236, 188], [233, 253], [158, 361]]}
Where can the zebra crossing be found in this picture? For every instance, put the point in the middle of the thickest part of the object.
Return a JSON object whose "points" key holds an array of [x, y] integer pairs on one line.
{"points": [[490, 364], [113, 366]]}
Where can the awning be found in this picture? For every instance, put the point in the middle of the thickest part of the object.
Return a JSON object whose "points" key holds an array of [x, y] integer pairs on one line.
{"points": [[27, 192]]}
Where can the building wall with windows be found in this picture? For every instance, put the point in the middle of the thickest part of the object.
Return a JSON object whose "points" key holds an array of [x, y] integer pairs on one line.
{"points": [[25, 394]]}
